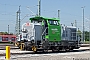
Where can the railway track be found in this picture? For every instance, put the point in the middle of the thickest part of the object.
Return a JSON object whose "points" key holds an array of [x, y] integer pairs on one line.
{"points": [[16, 51], [49, 52], [3, 46]]}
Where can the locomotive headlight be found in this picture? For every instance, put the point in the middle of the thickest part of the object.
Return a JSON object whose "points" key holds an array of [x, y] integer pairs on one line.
{"points": [[32, 38]]}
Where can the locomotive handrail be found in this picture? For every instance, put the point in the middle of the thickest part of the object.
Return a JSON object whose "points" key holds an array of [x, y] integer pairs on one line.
{"points": [[34, 36], [43, 33], [44, 30]]}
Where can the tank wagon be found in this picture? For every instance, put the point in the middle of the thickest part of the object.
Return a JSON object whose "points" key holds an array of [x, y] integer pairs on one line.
{"points": [[43, 34]]}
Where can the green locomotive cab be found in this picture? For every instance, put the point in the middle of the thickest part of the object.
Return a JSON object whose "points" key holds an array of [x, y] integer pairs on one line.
{"points": [[50, 32], [51, 29]]}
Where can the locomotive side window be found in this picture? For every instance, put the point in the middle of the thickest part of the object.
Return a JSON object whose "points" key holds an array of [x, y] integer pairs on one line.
{"points": [[36, 21], [53, 22]]}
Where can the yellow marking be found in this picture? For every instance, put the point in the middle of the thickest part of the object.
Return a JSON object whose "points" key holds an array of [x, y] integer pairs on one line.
{"points": [[17, 44], [34, 48], [22, 46]]}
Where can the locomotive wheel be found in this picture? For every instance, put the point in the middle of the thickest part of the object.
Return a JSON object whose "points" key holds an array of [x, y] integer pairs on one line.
{"points": [[53, 49], [45, 46], [57, 49], [45, 50], [71, 49], [26, 46]]}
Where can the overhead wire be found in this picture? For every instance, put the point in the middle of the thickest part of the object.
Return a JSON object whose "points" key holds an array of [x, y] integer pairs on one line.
{"points": [[54, 12]]}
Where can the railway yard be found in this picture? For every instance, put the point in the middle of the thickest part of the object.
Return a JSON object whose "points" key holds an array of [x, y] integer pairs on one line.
{"points": [[36, 32], [82, 53]]}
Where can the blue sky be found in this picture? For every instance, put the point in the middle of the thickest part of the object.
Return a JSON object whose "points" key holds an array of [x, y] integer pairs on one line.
{"points": [[70, 10]]}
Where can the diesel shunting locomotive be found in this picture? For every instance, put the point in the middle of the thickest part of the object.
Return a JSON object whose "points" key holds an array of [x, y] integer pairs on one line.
{"points": [[43, 34]]}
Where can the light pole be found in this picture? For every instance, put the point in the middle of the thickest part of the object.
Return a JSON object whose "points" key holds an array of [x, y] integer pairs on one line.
{"points": [[39, 7], [83, 25], [59, 14], [8, 29], [19, 21]]}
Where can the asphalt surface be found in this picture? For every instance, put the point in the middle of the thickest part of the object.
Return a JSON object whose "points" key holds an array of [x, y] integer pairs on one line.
{"points": [[72, 55], [83, 56]]}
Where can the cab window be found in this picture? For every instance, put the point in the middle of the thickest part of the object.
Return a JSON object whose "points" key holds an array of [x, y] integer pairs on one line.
{"points": [[53, 22], [36, 21]]}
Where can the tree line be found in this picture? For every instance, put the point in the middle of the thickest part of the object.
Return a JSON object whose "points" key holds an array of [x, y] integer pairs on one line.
{"points": [[86, 35], [5, 33]]}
